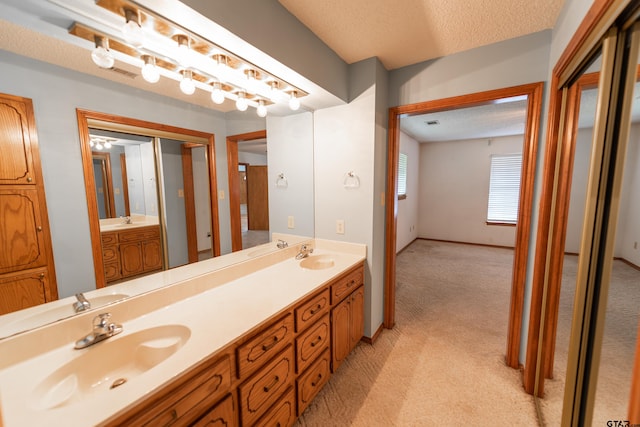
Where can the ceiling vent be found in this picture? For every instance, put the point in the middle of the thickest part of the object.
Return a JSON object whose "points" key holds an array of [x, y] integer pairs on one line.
{"points": [[432, 122], [123, 72]]}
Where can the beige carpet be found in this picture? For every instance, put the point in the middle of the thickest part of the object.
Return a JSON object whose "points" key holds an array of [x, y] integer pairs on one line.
{"points": [[614, 379], [443, 363]]}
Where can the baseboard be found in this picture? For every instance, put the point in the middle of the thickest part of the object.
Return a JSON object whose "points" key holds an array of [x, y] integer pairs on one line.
{"points": [[629, 263], [374, 337], [405, 247], [467, 243]]}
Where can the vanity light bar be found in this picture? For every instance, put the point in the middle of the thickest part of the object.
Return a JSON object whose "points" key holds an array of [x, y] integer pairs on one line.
{"points": [[209, 63]]}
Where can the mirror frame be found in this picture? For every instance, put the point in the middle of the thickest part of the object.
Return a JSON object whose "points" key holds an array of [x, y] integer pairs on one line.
{"points": [[84, 119]]}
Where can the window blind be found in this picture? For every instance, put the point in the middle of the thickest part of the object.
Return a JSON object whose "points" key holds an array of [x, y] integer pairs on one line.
{"points": [[402, 175], [504, 188]]}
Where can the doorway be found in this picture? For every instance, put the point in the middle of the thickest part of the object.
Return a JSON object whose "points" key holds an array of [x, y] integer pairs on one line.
{"points": [[533, 94], [248, 189]]}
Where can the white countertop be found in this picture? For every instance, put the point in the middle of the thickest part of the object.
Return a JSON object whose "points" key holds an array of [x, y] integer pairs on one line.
{"points": [[219, 307]]}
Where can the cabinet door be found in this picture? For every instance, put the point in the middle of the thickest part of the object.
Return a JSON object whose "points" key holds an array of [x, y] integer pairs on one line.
{"points": [[224, 414], [22, 243], [312, 381], [340, 335], [20, 290], [312, 342], [357, 317], [131, 259], [151, 255], [16, 162]]}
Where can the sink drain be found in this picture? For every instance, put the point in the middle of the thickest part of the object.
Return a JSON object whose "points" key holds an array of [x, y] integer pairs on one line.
{"points": [[118, 382]]}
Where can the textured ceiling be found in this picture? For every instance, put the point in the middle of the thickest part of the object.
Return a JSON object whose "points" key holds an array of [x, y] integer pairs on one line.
{"points": [[406, 32]]}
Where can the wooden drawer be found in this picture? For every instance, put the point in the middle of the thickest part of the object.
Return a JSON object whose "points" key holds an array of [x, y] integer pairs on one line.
{"points": [[345, 285], [312, 310], [283, 413], [224, 414], [111, 271], [312, 381], [141, 233], [109, 253], [263, 346], [109, 238], [187, 402], [265, 387], [312, 342]]}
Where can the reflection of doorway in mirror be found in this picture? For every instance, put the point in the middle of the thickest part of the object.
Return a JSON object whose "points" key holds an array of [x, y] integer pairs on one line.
{"points": [[254, 193], [242, 179]]}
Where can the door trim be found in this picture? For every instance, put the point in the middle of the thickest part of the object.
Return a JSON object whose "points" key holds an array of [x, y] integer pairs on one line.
{"points": [[533, 91], [234, 185]]}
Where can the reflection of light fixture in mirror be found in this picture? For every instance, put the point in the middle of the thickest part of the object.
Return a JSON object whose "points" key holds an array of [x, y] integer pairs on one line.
{"points": [[107, 144], [241, 102], [101, 55], [262, 109], [294, 102], [217, 95], [132, 31], [281, 181], [221, 61], [150, 71], [351, 180], [187, 86], [183, 51], [251, 74]]}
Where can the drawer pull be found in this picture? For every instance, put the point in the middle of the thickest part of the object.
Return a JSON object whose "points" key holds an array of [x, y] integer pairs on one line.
{"points": [[353, 282], [273, 384], [317, 341], [313, 384], [316, 309], [267, 347]]}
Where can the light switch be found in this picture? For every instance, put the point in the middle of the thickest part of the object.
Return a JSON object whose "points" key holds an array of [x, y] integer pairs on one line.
{"points": [[291, 222], [181, 193], [340, 226]]}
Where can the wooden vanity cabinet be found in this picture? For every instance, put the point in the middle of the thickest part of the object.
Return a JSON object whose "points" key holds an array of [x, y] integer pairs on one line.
{"points": [[347, 315], [131, 252], [25, 240]]}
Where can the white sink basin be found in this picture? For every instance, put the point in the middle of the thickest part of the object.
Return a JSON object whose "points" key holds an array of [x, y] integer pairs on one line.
{"points": [[109, 364], [317, 262]]}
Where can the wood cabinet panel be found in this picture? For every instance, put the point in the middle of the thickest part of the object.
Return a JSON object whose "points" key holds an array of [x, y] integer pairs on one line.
{"points": [[22, 240], [310, 311], [17, 160], [312, 381], [346, 284], [282, 414], [224, 414], [356, 327], [340, 334], [131, 262], [151, 255], [312, 342], [139, 234], [110, 253], [112, 271], [266, 386], [131, 252], [109, 238], [268, 342], [23, 289]]}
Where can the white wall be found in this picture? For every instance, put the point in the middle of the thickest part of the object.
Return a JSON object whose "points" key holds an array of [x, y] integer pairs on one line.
{"points": [[628, 233], [253, 159], [291, 152], [454, 190], [201, 197], [407, 221], [578, 195]]}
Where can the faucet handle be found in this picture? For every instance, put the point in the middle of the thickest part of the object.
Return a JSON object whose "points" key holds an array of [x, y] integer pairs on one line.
{"points": [[100, 321]]}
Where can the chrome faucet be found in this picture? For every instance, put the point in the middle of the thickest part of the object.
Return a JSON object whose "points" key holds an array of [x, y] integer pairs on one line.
{"points": [[305, 250], [126, 219], [81, 304], [102, 329], [282, 244]]}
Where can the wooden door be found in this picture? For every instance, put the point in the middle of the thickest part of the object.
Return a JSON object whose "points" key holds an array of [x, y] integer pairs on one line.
{"points": [[340, 336], [23, 290], [257, 198], [17, 160]]}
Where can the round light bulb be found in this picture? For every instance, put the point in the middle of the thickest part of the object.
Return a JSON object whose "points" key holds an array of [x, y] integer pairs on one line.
{"points": [[187, 86], [294, 102], [183, 52], [241, 102], [262, 109], [102, 57], [133, 33], [98, 145], [150, 71], [217, 96], [107, 145]]}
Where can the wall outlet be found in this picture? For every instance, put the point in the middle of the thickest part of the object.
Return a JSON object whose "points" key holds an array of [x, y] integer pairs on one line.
{"points": [[181, 193], [221, 194], [291, 222], [340, 226]]}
